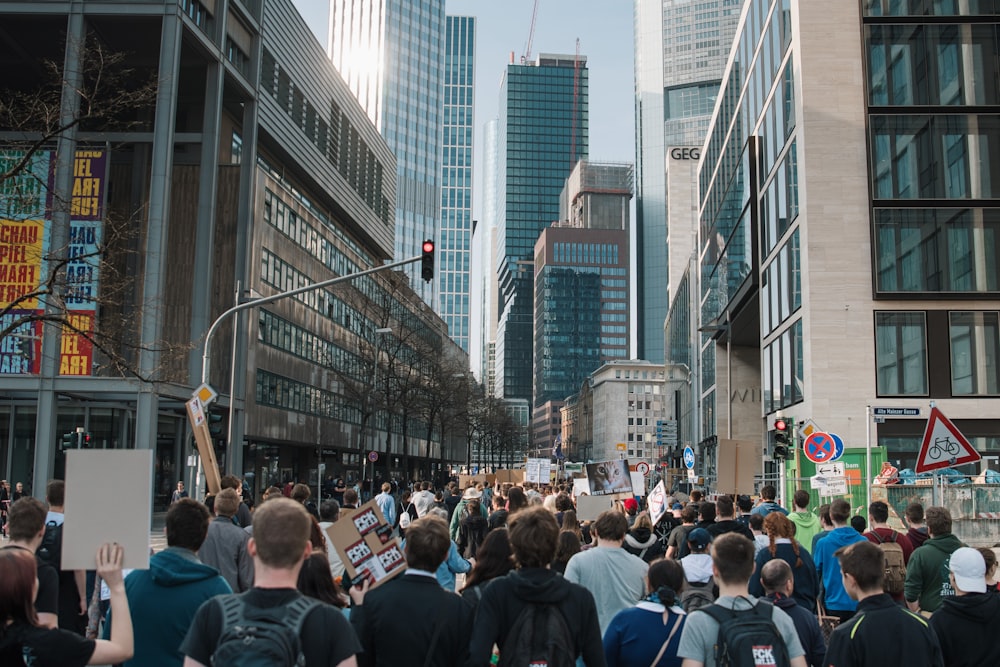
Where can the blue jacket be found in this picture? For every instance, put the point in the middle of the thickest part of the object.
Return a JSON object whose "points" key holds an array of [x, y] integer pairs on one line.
{"points": [[635, 635], [451, 566], [828, 567], [387, 504], [163, 601]]}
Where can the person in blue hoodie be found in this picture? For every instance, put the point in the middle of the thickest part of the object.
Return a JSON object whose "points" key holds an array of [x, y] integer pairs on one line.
{"points": [[838, 602], [163, 599]]}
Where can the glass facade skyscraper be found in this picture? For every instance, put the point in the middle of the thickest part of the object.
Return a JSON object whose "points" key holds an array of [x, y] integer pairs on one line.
{"points": [[543, 131], [680, 53], [454, 246], [392, 55]]}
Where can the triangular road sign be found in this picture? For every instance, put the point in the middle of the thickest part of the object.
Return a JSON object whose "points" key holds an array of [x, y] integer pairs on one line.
{"points": [[944, 445]]}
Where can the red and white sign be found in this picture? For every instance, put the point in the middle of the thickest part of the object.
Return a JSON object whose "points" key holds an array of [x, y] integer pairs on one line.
{"points": [[642, 468], [943, 445]]}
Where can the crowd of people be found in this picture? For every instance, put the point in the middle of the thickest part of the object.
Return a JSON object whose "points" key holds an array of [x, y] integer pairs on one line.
{"points": [[506, 574]]}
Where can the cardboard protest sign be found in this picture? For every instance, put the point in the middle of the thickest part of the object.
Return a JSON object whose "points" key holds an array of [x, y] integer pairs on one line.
{"points": [[538, 471], [589, 507], [94, 516], [657, 502], [638, 483], [510, 476], [609, 477], [581, 487], [363, 540]]}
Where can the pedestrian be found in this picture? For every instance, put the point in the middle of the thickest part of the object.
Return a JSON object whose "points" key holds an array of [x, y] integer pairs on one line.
{"points": [[725, 519], [825, 524], [641, 541], [516, 501], [72, 583], [494, 559], [301, 493], [19, 493], [732, 566], [315, 582], [243, 516], [24, 642], [226, 547], [387, 504], [279, 546], [678, 535], [406, 512], [836, 600], [614, 577], [700, 589], [571, 524], [506, 615], [916, 528], [650, 632], [806, 523], [778, 585], [471, 493], [164, 599], [472, 529], [706, 520], [329, 512], [26, 524], [990, 557], [424, 499], [896, 546], [925, 582], [881, 632], [783, 545], [178, 493], [498, 515], [454, 563], [968, 624], [411, 616], [567, 547], [452, 497], [768, 494], [350, 499]]}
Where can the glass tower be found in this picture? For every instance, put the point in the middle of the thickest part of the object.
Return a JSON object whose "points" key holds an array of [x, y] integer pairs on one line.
{"points": [[455, 241], [680, 53], [392, 54], [542, 133]]}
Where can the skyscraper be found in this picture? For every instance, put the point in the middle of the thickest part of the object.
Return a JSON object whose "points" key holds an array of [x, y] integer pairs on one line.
{"points": [[454, 245], [680, 52], [392, 55], [542, 134]]}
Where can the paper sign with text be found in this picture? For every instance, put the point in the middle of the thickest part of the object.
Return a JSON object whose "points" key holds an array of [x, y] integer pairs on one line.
{"points": [[363, 540]]}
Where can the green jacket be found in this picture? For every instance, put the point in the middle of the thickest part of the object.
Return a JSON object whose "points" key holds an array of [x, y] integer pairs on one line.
{"points": [[806, 525], [927, 572]]}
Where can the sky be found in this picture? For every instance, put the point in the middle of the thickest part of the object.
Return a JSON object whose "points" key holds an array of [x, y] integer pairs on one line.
{"points": [[604, 28]]}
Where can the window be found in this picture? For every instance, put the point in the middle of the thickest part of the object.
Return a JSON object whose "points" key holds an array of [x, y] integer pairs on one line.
{"points": [[901, 353], [975, 343]]}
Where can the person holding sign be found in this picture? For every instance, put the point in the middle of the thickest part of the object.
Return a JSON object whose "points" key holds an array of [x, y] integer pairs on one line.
{"points": [[23, 641]]}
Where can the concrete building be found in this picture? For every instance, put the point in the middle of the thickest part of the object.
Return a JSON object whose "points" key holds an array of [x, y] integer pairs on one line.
{"points": [[252, 168], [849, 199], [680, 52]]}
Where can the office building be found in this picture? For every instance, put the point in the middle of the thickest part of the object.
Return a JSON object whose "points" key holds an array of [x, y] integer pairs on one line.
{"points": [[680, 52], [849, 204], [391, 53], [542, 134]]}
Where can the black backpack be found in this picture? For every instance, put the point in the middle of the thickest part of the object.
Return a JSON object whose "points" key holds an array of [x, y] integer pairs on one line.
{"points": [[255, 637], [748, 637], [50, 550], [539, 638], [698, 595]]}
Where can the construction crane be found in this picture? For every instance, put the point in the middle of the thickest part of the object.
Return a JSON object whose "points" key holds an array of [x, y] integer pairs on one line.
{"points": [[526, 55], [576, 106]]}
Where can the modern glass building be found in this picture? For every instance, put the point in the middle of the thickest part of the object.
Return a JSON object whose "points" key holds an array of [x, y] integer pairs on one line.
{"points": [[849, 205], [454, 244], [680, 53], [392, 55], [542, 134]]}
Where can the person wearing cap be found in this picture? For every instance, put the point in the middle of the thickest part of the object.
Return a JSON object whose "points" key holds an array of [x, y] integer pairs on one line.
{"points": [[471, 493], [631, 510], [968, 624], [881, 632], [698, 563]]}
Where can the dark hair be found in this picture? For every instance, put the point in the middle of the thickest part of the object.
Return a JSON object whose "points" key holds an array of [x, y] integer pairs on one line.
{"points": [[301, 493], [666, 579], [533, 536], [707, 511], [516, 500], [989, 556], [187, 524], [571, 523], [563, 503], [801, 499], [695, 496], [768, 492], [779, 526], [733, 556], [824, 514], [858, 523], [757, 521], [17, 587], [230, 482], [611, 525], [840, 511], [915, 513], [350, 497], [329, 510], [55, 492], [427, 543], [315, 581], [472, 507], [494, 558], [316, 535], [865, 562], [226, 503], [26, 518], [689, 514], [744, 503], [938, 521], [775, 574], [567, 546], [724, 506], [281, 530]]}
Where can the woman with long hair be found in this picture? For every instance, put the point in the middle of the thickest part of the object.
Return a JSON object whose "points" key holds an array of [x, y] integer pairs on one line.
{"points": [[315, 581], [782, 544], [650, 632], [567, 547], [493, 559], [516, 501], [570, 523], [24, 641]]}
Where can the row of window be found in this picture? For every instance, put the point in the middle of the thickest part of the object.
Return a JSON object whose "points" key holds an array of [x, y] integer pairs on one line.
{"points": [[280, 392], [279, 333], [585, 253], [931, 7]]}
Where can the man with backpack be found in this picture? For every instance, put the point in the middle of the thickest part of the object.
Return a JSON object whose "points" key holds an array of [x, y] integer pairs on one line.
{"points": [[699, 587], [272, 623], [896, 546], [26, 527], [72, 583], [779, 585], [534, 615], [881, 632], [738, 629]]}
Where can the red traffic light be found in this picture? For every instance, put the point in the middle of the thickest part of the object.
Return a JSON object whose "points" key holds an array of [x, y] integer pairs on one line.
{"points": [[427, 261], [780, 425], [428, 246]]}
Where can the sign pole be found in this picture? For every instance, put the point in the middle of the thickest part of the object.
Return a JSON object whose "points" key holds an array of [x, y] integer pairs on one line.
{"points": [[868, 457]]}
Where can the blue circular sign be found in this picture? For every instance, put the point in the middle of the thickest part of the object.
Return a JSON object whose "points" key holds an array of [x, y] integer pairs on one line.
{"points": [[689, 458], [373, 456], [838, 443]]}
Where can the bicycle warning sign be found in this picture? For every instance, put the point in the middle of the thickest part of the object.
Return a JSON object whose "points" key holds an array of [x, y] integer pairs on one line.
{"points": [[943, 445]]}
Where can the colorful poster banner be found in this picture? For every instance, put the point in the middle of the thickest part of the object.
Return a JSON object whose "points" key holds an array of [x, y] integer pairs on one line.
{"points": [[21, 349], [22, 246], [76, 352], [25, 195], [89, 170]]}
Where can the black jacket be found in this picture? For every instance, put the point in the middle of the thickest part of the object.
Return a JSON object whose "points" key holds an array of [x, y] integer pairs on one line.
{"points": [[506, 598], [806, 627], [882, 633], [729, 526], [968, 628], [397, 622], [471, 533], [643, 543]]}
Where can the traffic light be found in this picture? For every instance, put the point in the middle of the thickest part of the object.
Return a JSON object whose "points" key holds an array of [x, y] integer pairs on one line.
{"points": [[782, 442], [86, 442], [427, 262], [69, 441]]}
